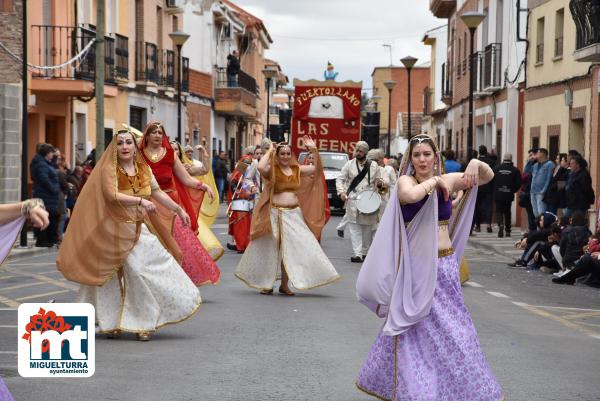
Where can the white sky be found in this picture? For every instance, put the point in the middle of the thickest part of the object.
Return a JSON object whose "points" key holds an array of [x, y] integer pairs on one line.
{"points": [[349, 33]]}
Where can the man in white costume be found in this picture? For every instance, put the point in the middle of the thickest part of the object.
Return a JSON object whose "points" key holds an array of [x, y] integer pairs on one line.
{"points": [[388, 177], [349, 185]]}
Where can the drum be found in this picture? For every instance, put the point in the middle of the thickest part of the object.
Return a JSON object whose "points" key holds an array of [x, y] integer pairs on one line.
{"points": [[368, 202]]}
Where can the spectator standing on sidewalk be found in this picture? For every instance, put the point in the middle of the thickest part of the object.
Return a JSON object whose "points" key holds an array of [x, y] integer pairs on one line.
{"points": [[555, 196], [47, 188], [485, 193], [451, 165], [540, 181], [579, 192], [525, 196], [233, 69], [507, 181], [221, 172]]}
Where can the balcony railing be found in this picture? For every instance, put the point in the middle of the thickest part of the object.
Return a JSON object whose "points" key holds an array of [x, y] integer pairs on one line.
{"points": [[166, 68], [539, 53], [55, 44], [185, 74], [244, 80], [146, 62], [586, 15], [558, 47], [121, 57], [442, 8], [446, 83], [492, 66]]}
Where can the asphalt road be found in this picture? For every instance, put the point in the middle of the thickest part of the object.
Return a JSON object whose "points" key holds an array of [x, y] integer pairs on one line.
{"points": [[542, 340]]}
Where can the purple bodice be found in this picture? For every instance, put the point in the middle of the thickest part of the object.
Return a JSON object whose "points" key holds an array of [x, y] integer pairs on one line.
{"points": [[409, 211]]}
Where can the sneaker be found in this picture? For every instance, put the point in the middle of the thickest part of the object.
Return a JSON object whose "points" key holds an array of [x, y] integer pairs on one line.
{"points": [[356, 259], [340, 233], [489, 229], [231, 247], [517, 264], [559, 273]]}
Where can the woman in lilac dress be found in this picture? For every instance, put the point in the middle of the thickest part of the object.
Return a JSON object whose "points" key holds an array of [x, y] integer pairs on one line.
{"points": [[428, 349]]}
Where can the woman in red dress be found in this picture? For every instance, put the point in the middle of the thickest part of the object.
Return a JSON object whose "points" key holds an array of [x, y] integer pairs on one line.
{"points": [[188, 192]]}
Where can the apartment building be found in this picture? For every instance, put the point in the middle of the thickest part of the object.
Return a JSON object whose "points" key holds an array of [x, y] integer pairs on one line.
{"points": [[398, 117]]}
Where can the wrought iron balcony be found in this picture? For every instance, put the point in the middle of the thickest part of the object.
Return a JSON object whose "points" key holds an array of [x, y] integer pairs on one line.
{"points": [[586, 15], [446, 84], [235, 96], [442, 8], [53, 45], [146, 62], [166, 68], [492, 67], [121, 57]]}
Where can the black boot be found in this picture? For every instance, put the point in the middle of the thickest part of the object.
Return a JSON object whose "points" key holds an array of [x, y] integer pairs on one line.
{"points": [[500, 232]]}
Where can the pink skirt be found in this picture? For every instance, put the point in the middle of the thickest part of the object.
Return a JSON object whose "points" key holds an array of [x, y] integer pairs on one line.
{"points": [[197, 262]]}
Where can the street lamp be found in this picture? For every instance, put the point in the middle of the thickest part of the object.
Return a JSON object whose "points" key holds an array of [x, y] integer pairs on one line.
{"points": [[179, 39], [290, 93], [389, 85], [472, 19], [269, 73], [409, 62]]}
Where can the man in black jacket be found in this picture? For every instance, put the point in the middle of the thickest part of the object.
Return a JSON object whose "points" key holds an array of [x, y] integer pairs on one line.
{"points": [[233, 69], [507, 180], [579, 191], [46, 187], [483, 207]]}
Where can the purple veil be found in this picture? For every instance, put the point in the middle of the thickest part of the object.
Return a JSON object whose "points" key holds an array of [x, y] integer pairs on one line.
{"points": [[398, 277], [9, 232]]}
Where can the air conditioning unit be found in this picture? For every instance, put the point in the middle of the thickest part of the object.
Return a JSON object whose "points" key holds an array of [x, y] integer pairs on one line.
{"points": [[568, 97]]}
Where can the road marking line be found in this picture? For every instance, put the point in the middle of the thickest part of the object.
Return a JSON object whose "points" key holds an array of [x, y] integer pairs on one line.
{"points": [[558, 319], [8, 326], [9, 302], [14, 287], [562, 307], [473, 284], [42, 295], [7, 309], [30, 264], [497, 294], [40, 277], [6, 277], [583, 314], [9, 352]]}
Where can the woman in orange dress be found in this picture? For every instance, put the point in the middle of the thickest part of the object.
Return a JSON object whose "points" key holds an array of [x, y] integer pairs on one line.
{"points": [[175, 181]]}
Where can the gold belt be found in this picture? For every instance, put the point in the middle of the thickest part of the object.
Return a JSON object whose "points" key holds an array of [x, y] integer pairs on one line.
{"points": [[274, 206], [443, 222], [442, 253]]}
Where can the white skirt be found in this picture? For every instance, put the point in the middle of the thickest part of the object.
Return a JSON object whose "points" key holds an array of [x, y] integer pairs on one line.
{"points": [[292, 244], [149, 292]]}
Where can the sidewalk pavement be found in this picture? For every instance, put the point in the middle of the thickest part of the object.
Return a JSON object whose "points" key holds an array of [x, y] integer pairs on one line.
{"points": [[504, 247], [18, 252]]}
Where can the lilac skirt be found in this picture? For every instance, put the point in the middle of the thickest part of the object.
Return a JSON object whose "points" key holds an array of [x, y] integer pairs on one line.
{"points": [[4, 393], [438, 359]]}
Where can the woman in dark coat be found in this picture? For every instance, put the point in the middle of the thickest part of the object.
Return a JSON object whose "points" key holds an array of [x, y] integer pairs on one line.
{"points": [[555, 196], [579, 191], [46, 187]]}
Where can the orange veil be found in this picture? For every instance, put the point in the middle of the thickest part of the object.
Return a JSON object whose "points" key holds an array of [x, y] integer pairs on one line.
{"points": [[102, 231], [310, 196]]}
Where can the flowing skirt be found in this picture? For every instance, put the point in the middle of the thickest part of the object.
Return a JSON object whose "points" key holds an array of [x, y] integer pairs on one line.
{"points": [[292, 244], [239, 229], [197, 263], [464, 271], [4, 393], [209, 241], [438, 359], [149, 292]]}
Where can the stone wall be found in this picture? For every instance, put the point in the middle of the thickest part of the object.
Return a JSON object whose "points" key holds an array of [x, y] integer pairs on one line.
{"points": [[10, 142]]}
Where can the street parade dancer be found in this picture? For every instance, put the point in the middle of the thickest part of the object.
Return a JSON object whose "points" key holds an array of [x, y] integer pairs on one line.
{"points": [[200, 170], [358, 175], [285, 223], [12, 219], [115, 247], [187, 192], [428, 348], [241, 202]]}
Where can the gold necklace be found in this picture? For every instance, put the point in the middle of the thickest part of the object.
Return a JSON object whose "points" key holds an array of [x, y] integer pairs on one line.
{"points": [[132, 179], [155, 156]]}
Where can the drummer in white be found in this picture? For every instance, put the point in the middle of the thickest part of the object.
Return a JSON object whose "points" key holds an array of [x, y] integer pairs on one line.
{"points": [[359, 175]]}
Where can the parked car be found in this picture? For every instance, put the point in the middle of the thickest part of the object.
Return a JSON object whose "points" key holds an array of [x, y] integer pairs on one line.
{"points": [[332, 167]]}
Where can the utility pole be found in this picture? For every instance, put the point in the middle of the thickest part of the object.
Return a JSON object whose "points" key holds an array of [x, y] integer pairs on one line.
{"points": [[99, 84], [24, 122]]}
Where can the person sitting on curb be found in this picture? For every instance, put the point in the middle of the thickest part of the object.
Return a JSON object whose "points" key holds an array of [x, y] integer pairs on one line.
{"points": [[533, 241], [574, 237], [588, 264]]}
